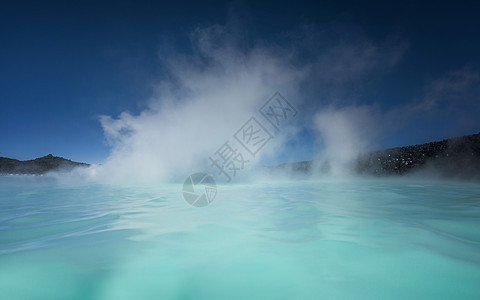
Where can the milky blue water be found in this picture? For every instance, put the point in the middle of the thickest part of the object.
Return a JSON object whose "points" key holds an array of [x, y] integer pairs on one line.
{"points": [[348, 239]]}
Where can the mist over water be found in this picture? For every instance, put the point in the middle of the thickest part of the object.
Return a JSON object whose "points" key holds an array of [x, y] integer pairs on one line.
{"points": [[207, 97], [346, 132], [211, 91], [121, 230]]}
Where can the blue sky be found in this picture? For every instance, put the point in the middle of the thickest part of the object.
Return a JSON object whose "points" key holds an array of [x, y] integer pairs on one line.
{"points": [[62, 64]]}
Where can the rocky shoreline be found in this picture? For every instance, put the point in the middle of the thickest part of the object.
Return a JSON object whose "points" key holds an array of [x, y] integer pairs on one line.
{"points": [[459, 157], [453, 158]]}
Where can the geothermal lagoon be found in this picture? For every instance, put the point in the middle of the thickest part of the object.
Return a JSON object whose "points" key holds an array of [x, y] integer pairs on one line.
{"points": [[297, 239]]}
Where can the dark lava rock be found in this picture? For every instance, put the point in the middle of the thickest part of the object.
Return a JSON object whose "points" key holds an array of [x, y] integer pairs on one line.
{"points": [[454, 158], [37, 166]]}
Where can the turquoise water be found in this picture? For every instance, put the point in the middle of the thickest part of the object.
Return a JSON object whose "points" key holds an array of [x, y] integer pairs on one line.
{"points": [[350, 239]]}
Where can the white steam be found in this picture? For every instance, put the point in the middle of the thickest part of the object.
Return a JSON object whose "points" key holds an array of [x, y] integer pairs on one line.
{"points": [[346, 133], [208, 94], [208, 97]]}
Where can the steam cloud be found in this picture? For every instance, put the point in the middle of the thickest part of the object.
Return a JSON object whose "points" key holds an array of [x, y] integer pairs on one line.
{"points": [[210, 95], [211, 92], [346, 133]]}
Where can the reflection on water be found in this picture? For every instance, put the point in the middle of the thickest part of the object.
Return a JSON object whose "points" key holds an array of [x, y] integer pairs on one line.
{"points": [[303, 240]]}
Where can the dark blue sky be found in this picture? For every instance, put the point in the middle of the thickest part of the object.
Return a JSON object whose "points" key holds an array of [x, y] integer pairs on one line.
{"points": [[64, 63]]}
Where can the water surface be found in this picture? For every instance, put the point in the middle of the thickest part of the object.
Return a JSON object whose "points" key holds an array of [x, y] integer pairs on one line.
{"points": [[349, 239]]}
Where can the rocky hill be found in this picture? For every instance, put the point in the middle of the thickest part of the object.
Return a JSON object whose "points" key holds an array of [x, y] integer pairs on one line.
{"points": [[37, 166], [456, 157]]}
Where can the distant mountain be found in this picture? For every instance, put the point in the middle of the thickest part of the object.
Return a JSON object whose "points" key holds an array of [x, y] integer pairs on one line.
{"points": [[456, 157], [37, 166]]}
